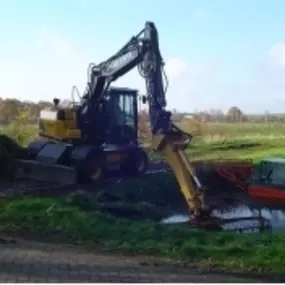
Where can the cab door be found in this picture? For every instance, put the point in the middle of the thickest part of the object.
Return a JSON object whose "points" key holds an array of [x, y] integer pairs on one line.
{"points": [[122, 112]]}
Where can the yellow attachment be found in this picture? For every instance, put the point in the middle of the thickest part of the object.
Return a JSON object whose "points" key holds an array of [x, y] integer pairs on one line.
{"points": [[50, 126], [172, 146], [59, 129]]}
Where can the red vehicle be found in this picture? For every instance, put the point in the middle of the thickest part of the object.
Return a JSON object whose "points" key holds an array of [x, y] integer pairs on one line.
{"points": [[265, 180]]}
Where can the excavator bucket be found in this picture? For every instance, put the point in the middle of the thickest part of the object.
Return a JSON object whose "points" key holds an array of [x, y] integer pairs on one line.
{"points": [[208, 220], [43, 172]]}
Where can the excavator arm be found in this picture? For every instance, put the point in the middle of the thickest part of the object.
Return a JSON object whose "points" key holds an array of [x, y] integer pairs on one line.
{"points": [[143, 51]]}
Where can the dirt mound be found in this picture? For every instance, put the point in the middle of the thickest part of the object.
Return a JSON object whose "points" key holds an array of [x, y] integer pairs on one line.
{"points": [[10, 151]]}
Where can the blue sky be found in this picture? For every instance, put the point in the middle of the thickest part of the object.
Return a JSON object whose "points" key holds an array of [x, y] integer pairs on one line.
{"points": [[218, 53]]}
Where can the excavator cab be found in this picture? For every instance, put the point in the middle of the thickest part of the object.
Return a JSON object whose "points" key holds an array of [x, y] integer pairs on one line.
{"points": [[121, 116]]}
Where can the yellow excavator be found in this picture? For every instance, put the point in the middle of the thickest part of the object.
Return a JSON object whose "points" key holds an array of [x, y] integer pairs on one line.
{"points": [[84, 141]]}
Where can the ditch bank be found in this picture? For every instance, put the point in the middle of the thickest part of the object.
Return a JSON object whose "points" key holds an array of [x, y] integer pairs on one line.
{"points": [[156, 196], [151, 197]]}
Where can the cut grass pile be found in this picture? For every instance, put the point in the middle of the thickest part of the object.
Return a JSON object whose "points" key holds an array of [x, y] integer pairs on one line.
{"points": [[47, 216]]}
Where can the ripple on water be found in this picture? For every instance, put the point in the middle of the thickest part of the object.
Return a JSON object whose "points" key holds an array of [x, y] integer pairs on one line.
{"points": [[275, 215]]}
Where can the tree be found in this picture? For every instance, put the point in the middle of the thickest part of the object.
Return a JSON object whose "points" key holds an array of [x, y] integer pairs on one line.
{"points": [[235, 115], [143, 126]]}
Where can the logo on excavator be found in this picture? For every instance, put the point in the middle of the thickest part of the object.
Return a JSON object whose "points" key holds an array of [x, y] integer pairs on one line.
{"points": [[122, 60]]}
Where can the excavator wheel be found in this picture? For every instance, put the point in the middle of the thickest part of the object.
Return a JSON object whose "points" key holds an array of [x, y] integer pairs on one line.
{"points": [[94, 171], [136, 163]]}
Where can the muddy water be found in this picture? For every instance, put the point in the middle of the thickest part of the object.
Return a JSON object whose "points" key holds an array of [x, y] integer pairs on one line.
{"points": [[275, 214]]}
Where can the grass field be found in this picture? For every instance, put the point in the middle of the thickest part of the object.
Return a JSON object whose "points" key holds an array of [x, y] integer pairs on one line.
{"points": [[241, 141], [261, 252], [229, 138]]}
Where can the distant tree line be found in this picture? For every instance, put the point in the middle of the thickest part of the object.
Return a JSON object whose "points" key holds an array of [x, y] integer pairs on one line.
{"points": [[10, 108], [233, 115]]}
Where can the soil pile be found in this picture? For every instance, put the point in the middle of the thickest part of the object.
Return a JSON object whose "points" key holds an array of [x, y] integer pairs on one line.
{"points": [[10, 152]]}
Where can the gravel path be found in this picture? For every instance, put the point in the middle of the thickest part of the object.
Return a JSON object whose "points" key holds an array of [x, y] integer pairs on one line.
{"points": [[38, 262]]}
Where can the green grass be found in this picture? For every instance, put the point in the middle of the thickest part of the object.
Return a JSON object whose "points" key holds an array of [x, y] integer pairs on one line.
{"points": [[223, 250], [22, 133], [237, 149], [235, 130], [237, 141]]}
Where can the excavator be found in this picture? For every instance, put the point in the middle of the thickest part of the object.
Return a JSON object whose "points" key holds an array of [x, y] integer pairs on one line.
{"points": [[86, 140]]}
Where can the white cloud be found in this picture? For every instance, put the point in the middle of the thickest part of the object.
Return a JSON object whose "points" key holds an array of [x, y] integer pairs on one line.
{"points": [[176, 67], [276, 54], [267, 88]]}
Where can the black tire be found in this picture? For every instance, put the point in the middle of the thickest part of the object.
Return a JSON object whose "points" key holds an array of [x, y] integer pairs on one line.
{"points": [[93, 170], [96, 173], [136, 163]]}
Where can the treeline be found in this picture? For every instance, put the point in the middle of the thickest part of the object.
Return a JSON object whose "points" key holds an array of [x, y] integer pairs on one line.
{"points": [[10, 108], [233, 115]]}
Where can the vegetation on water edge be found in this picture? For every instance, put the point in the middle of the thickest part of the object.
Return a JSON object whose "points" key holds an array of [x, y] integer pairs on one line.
{"points": [[46, 216]]}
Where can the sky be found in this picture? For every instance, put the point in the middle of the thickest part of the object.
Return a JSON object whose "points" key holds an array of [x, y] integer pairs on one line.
{"points": [[218, 53]]}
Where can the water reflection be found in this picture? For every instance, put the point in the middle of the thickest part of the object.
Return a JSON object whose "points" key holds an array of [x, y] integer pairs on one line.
{"points": [[274, 214], [175, 219]]}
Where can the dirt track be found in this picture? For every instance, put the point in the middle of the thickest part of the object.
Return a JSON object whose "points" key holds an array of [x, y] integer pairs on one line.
{"points": [[37, 262]]}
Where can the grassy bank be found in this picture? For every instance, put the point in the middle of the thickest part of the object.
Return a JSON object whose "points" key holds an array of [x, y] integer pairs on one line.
{"points": [[223, 250]]}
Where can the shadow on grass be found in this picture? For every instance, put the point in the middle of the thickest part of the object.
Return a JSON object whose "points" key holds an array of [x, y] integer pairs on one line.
{"points": [[236, 146]]}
